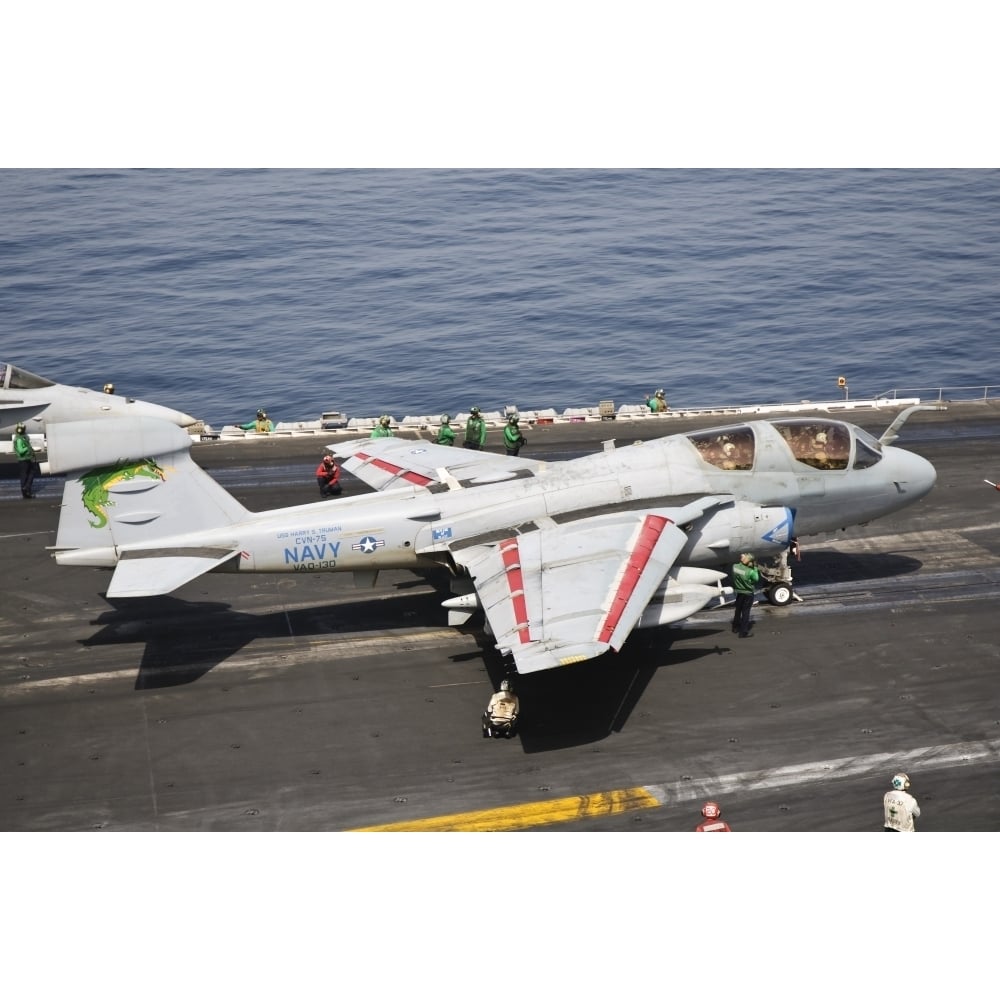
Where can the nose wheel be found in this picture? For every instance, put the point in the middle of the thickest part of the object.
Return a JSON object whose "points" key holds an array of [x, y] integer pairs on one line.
{"points": [[778, 580]]}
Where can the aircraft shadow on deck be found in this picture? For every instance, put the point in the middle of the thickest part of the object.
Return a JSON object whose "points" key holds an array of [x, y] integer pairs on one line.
{"points": [[185, 640], [830, 566], [589, 701], [584, 703]]}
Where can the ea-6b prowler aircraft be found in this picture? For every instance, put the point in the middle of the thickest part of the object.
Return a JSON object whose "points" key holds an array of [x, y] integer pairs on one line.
{"points": [[37, 403], [564, 558]]}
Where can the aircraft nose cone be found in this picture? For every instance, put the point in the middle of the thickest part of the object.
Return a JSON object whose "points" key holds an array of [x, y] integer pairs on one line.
{"points": [[915, 476], [181, 419]]}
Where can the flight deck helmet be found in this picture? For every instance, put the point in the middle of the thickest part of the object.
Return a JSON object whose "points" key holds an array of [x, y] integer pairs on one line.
{"points": [[384, 420], [513, 418], [711, 810], [445, 418], [474, 411], [19, 429], [505, 685], [328, 460], [261, 414], [900, 782]]}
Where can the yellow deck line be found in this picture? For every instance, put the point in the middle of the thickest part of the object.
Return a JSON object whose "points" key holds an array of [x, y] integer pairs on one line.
{"points": [[528, 814]]}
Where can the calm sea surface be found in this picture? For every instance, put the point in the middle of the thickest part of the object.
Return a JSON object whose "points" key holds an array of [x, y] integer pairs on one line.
{"points": [[417, 292]]}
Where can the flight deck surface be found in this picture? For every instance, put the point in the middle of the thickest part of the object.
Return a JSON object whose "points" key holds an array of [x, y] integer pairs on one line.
{"points": [[299, 702]]}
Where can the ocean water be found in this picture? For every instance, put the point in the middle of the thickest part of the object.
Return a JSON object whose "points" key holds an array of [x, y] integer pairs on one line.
{"points": [[423, 291]]}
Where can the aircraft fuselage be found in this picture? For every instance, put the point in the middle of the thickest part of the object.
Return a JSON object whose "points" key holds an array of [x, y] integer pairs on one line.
{"points": [[774, 500]]}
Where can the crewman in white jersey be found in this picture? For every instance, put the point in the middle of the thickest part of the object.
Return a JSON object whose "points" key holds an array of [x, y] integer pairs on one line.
{"points": [[901, 807]]}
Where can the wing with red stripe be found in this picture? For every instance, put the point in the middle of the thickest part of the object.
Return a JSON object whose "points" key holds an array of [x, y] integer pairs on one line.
{"points": [[571, 592], [384, 463]]}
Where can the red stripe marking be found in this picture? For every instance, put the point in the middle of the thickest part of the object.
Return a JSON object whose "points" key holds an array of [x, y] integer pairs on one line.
{"points": [[396, 470], [649, 535], [511, 556]]}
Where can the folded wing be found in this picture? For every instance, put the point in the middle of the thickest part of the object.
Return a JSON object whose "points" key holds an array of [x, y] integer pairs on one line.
{"points": [[385, 463], [571, 592]]}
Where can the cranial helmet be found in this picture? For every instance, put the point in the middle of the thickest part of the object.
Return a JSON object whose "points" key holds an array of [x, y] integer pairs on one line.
{"points": [[328, 460], [19, 429], [513, 418], [711, 810], [384, 420], [505, 685], [900, 782], [445, 418], [474, 411], [659, 392], [261, 413]]}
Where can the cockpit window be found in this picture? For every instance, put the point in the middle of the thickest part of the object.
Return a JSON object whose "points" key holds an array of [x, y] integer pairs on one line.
{"points": [[20, 379], [729, 448], [821, 444], [868, 450]]}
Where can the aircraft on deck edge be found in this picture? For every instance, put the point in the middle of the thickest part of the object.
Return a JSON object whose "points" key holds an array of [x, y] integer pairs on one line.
{"points": [[565, 558], [38, 403]]}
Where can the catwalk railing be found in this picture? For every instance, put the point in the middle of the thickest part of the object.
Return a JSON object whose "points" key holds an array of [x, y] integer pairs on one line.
{"points": [[947, 394]]}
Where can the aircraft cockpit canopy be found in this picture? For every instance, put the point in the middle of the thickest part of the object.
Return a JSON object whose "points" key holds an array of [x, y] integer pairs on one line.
{"points": [[729, 448], [12, 377], [826, 444], [820, 444]]}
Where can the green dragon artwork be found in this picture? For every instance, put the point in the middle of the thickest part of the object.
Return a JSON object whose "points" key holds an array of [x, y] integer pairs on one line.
{"points": [[98, 482]]}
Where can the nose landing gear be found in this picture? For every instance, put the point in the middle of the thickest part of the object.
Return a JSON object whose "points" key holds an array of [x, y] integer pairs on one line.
{"points": [[778, 578]]}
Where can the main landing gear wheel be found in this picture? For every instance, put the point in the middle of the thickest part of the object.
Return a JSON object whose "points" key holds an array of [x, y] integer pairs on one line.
{"points": [[779, 595]]}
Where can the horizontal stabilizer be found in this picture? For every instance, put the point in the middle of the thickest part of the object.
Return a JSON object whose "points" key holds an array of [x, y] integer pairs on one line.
{"points": [[140, 575]]}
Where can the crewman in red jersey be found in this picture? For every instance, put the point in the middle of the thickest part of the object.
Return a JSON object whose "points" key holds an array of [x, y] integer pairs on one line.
{"points": [[714, 823], [328, 477]]}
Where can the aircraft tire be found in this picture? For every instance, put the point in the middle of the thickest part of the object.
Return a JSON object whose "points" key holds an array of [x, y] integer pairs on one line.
{"points": [[780, 595]]}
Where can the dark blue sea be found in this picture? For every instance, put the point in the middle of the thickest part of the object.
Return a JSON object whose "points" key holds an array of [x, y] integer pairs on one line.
{"points": [[420, 291]]}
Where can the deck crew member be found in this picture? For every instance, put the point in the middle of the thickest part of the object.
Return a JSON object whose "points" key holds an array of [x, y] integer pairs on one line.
{"points": [[657, 403], [26, 461], [328, 477], [382, 428], [513, 439], [900, 806], [745, 577], [446, 433], [475, 430], [714, 823], [262, 425]]}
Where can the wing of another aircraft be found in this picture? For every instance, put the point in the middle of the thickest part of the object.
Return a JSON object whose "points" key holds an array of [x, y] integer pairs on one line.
{"points": [[383, 463], [571, 592]]}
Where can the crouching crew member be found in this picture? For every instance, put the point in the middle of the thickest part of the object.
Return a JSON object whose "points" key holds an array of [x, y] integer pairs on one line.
{"points": [[500, 716], [328, 477]]}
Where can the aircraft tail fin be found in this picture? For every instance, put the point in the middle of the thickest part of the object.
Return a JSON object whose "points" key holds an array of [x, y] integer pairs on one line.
{"points": [[132, 482]]}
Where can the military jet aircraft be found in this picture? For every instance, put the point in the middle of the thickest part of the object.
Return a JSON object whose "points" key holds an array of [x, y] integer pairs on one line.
{"points": [[564, 558], [38, 403]]}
